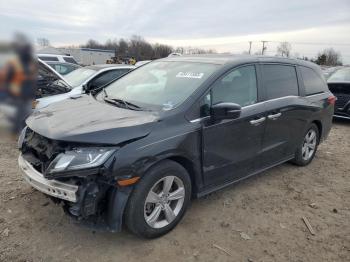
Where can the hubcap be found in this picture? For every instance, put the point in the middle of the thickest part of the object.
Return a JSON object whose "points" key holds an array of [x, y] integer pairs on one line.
{"points": [[164, 201], [309, 145]]}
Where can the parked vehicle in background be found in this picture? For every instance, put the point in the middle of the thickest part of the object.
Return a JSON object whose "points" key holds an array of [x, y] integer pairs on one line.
{"points": [[339, 85], [57, 58], [174, 54], [86, 79], [173, 129], [63, 68], [328, 71], [49, 81]]}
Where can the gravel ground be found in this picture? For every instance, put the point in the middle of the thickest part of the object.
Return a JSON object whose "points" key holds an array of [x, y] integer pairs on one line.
{"points": [[259, 219]]}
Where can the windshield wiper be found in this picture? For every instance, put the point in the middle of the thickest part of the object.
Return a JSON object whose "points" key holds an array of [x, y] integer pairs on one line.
{"points": [[118, 102]]}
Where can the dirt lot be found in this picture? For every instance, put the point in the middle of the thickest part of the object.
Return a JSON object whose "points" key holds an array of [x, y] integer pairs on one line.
{"points": [[255, 220]]}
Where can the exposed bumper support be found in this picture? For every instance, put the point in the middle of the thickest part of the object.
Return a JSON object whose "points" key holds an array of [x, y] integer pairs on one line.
{"points": [[53, 188]]}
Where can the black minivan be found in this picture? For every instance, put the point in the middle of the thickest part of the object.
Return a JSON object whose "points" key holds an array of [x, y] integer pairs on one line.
{"points": [[171, 130]]}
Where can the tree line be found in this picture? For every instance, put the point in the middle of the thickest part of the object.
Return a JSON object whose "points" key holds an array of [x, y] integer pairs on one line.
{"points": [[140, 49], [136, 47], [326, 57]]}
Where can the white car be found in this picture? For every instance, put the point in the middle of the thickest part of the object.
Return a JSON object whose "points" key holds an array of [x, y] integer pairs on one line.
{"points": [[86, 79], [57, 58]]}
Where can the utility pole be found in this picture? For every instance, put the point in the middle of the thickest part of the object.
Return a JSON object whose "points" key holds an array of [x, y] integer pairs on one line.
{"points": [[263, 47], [250, 46]]}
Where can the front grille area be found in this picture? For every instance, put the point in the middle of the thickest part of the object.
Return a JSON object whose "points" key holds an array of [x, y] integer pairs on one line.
{"points": [[342, 100], [39, 150]]}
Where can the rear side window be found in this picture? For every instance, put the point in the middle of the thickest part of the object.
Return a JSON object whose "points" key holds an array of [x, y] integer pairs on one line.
{"points": [[280, 81], [70, 60], [48, 58], [312, 81]]}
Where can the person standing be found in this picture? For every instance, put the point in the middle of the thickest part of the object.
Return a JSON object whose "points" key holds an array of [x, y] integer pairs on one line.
{"points": [[19, 82]]}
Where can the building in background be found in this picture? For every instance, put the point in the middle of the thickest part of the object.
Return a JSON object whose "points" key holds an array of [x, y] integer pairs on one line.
{"points": [[84, 56]]}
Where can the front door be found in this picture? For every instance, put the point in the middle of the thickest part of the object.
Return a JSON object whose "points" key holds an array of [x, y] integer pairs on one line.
{"points": [[231, 147]]}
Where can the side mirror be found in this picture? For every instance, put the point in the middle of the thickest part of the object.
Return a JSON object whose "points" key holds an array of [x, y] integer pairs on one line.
{"points": [[225, 111], [85, 88]]}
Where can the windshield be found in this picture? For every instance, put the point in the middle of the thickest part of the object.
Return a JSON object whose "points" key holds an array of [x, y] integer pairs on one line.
{"points": [[340, 75], [162, 85], [79, 76]]}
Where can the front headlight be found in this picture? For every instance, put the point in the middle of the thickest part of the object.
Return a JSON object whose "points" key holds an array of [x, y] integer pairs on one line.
{"points": [[80, 158]]}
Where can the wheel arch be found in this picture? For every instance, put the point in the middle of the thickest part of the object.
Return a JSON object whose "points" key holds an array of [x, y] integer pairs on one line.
{"points": [[185, 162], [318, 123]]}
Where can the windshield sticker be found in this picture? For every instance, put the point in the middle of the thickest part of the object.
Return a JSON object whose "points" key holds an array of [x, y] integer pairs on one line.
{"points": [[190, 75]]}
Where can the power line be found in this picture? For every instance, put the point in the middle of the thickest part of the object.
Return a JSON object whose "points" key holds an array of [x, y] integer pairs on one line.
{"points": [[263, 47]]}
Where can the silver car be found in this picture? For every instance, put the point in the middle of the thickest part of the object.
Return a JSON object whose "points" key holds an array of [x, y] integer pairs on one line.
{"points": [[86, 79]]}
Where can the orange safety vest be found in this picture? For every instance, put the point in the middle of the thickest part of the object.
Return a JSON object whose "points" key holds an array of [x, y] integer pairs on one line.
{"points": [[20, 76]]}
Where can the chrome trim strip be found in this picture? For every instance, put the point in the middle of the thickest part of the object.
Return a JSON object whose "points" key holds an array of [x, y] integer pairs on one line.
{"points": [[343, 117], [53, 188], [243, 107], [323, 93]]}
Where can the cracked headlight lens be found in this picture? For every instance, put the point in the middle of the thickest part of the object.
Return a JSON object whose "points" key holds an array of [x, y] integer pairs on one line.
{"points": [[80, 158]]}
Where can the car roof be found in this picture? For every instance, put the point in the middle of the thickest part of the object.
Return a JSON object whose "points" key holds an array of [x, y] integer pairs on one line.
{"points": [[223, 59], [56, 55], [61, 63], [109, 66]]}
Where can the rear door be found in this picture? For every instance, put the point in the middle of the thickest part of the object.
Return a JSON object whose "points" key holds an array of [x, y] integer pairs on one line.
{"points": [[284, 113], [231, 147]]}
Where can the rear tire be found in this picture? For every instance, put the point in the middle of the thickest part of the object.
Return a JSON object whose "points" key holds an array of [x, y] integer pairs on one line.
{"points": [[159, 200], [307, 149]]}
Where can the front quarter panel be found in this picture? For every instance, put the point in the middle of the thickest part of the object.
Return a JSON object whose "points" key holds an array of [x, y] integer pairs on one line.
{"points": [[169, 140]]}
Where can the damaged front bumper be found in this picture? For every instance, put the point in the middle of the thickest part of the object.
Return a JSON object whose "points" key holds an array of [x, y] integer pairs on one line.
{"points": [[93, 202], [58, 189]]}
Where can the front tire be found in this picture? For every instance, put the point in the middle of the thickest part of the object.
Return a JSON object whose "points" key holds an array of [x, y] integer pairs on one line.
{"points": [[159, 201], [307, 149]]}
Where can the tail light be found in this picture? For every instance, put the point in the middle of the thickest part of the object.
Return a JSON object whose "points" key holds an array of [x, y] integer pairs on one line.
{"points": [[331, 100]]}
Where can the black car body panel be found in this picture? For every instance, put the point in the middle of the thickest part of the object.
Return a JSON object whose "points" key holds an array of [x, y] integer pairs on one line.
{"points": [[342, 91], [215, 152], [85, 125]]}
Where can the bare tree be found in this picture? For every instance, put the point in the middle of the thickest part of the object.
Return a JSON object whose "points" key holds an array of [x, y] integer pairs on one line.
{"points": [[161, 50], [284, 49], [43, 42], [329, 57]]}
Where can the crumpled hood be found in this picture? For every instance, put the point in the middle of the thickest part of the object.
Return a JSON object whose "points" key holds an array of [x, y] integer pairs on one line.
{"points": [[86, 120]]}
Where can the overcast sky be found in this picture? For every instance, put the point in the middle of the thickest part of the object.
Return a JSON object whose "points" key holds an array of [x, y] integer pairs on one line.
{"points": [[225, 25]]}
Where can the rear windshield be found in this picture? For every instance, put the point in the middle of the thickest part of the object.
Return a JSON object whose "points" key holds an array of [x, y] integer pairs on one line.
{"points": [[161, 85], [48, 58], [70, 60], [340, 75]]}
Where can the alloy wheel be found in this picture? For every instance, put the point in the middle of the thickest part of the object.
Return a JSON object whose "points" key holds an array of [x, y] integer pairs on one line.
{"points": [[164, 202], [309, 145]]}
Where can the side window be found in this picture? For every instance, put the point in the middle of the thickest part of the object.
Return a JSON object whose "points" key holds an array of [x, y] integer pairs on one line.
{"points": [[106, 77], [238, 86], [313, 82], [280, 81]]}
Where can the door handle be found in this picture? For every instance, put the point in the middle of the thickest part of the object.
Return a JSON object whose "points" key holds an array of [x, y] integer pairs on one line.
{"points": [[257, 121], [274, 116]]}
